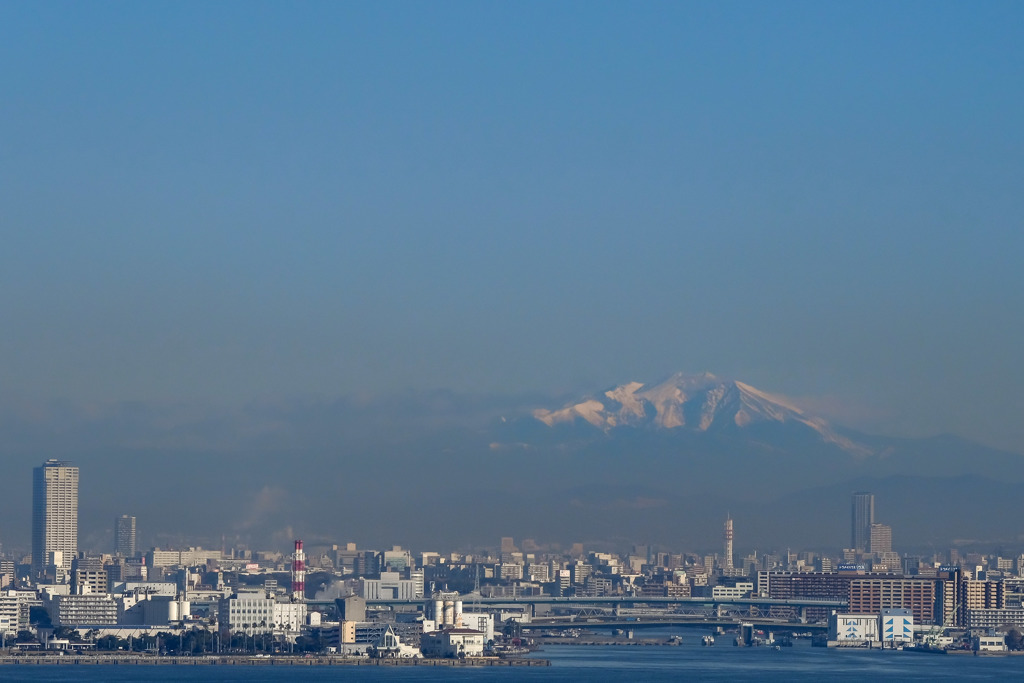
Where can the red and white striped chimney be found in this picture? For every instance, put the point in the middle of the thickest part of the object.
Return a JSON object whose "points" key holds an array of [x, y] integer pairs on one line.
{"points": [[299, 573]]}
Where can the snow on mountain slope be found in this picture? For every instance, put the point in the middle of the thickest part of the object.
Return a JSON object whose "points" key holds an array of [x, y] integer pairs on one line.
{"points": [[696, 402]]}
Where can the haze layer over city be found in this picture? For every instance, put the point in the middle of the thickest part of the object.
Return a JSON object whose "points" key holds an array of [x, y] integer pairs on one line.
{"points": [[433, 274]]}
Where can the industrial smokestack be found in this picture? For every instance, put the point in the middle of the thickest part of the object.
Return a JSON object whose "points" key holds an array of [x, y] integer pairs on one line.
{"points": [[299, 573]]}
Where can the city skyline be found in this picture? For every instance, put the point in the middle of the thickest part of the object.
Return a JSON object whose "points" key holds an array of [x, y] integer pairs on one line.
{"points": [[862, 596], [322, 316], [55, 501]]}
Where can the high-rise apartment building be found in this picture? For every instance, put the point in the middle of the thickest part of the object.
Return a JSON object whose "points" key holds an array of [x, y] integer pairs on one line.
{"points": [[872, 595], [54, 515], [124, 536], [862, 516]]}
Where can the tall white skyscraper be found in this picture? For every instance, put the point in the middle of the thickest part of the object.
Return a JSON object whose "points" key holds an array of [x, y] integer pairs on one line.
{"points": [[54, 513]]}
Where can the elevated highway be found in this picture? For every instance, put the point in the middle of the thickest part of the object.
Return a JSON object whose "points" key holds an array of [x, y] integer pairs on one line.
{"points": [[470, 599], [619, 607]]}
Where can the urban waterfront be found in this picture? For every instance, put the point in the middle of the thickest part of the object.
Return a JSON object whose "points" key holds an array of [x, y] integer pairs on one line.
{"points": [[601, 663]]}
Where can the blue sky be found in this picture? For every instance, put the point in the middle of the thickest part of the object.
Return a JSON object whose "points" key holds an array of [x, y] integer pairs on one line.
{"points": [[215, 203]]}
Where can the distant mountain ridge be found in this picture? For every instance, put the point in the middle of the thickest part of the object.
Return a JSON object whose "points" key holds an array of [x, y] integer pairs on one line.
{"points": [[661, 462], [700, 403]]}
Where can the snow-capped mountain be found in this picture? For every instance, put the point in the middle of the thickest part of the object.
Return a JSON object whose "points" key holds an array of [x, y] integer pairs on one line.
{"points": [[692, 402]]}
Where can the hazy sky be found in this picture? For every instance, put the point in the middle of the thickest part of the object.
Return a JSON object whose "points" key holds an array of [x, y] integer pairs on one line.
{"points": [[224, 202]]}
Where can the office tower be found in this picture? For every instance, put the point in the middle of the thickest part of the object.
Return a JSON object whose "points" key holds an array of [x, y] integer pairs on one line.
{"points": [[880, 539], [124, 536], [727, 537], [54, 515], [862, 516]]}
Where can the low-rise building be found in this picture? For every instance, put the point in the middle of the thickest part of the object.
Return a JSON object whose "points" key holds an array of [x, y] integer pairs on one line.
{"points": [[453, 642], [510, 571], [742, 589], [478, 621], [390, 586], [362, 637], [390, 645], [182, 558], [989, 643], [150, 588], [994, 618]]}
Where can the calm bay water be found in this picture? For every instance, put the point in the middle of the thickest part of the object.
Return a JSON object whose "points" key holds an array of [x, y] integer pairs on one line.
{"points": [[593, 663]]}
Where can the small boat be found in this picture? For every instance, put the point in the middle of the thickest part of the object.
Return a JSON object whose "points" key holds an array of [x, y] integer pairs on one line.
{"points": [[707, 640]]}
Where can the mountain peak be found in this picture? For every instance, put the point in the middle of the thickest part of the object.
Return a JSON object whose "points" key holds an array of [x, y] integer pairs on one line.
{"points": [[700, 403]]}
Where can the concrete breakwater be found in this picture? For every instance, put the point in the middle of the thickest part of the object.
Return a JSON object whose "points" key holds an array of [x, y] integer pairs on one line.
{"points": [[122, 660]]}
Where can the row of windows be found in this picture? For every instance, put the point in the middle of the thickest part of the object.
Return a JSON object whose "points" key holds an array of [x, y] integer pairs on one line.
{"points": [[868, 590]]}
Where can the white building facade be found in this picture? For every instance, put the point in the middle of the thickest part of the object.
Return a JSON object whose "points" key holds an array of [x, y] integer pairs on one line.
{"points": [[852, 628], [742, 589], [82, 610], [455, 642], [390, 586], [897, 626], [255, 612]]}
